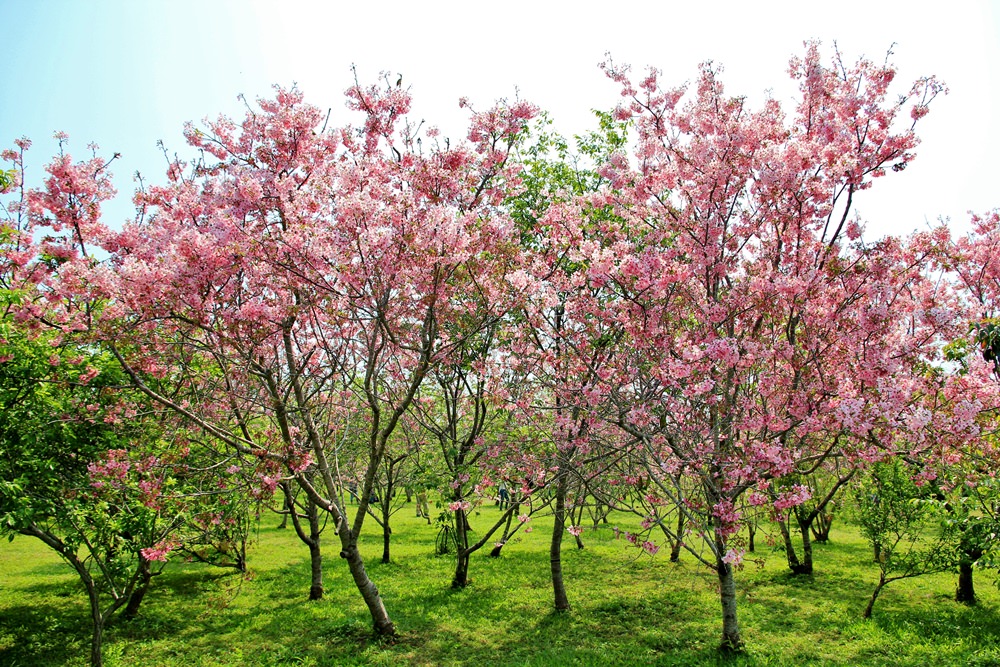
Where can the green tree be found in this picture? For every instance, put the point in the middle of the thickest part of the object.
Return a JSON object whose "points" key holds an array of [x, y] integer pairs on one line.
{"points": [[896, 517], [67, 476]]}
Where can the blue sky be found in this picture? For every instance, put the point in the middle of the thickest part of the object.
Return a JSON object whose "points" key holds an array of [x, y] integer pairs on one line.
{"points": [[125, 74]]}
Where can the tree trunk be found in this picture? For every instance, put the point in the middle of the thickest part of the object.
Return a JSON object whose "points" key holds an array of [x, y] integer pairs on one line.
{"points": [[677, 541], [315, 554], [287, 508], [139, 592], [311, 540], [241, 554], [790, 555], [731, 640], [461, 579], [383, 626], [555, 550], [966, 591], [386, 533], [316, 565], [806, 566], [871, 602], [576, 517], [821, 527], [495, 552], [96, 617], [96, 657], [752, 533]]}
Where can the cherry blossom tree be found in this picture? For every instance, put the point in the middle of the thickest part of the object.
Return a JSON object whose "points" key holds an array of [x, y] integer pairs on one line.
{"points": [[568, 333], [298, 274], [88, 466], [961, 465], [762, 325]]}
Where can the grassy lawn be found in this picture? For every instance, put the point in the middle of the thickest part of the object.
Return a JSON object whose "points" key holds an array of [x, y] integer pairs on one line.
{"points": [[628, 609]]}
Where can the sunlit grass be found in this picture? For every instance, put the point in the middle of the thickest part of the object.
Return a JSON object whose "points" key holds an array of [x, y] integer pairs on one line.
{"points": [[628, 609]]}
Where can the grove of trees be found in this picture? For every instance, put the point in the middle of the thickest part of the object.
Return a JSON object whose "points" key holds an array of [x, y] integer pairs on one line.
{"points": [[677, 317]]}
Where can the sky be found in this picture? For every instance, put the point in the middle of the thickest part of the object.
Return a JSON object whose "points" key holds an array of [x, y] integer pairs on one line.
{"points": [[126, 74]]}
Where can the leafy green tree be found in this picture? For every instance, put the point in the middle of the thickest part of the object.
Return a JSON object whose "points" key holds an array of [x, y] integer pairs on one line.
{"points": [[87, 465], [71, 476], [896, 517]]}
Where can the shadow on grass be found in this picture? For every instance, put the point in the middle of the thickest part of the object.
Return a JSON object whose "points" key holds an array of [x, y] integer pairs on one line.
{"points": [[941, 619], [42, 634]]}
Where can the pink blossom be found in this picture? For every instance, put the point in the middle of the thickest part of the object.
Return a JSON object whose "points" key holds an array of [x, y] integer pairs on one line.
{"points": [[733, 557], [792, 497], [89, 374], [158, 551]]}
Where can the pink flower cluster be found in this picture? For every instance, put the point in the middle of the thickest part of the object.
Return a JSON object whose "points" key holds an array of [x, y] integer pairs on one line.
{"points": [[159, 551]]}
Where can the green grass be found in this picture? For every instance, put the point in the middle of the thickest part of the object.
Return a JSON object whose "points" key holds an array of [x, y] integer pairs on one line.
{"points": [[628, 609]]}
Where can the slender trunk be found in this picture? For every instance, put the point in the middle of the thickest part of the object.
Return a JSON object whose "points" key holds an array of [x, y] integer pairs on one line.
{"points": [[871, 602], [752, 532], [555, 550], [97, 622], [316, 564], [678, 542], [386, 533], [966, 591], [241, 554], [96, 657], [369, 592], [461, 579], [495, 552], [315, 554], [139, 592], [311, 540], [786, 537], [731, 640], [806, 567], [821, 527], [287, 508], [576, 518]]}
